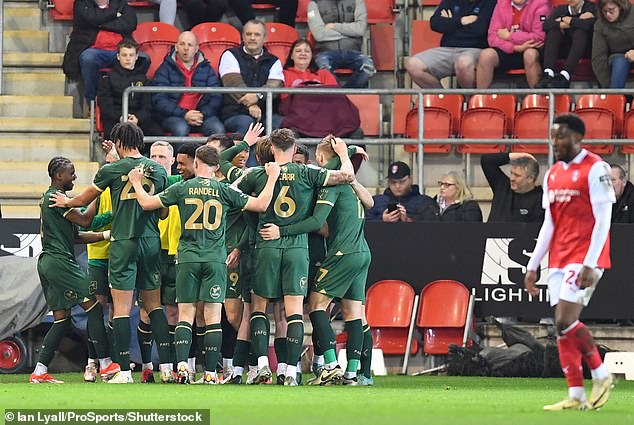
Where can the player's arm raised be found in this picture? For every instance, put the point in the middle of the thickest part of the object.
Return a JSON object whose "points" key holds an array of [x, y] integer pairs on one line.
{"points": [[84, 198], [346, 173], [261, 203], [147, 201]]}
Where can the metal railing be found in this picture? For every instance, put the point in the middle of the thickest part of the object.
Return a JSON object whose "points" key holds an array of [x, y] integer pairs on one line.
{"points": [[420, 140]]}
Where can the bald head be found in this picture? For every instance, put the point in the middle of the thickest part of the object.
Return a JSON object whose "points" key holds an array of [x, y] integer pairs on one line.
{"points": [[186, 48]]}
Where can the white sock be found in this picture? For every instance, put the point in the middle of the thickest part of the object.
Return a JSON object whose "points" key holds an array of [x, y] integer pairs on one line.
{"points": [[147, 366], [549, 71], [601, 372], [166, 366], [181, 365], [92, 362], [40, 369], [331, 365], [565, 74], [291, 371], [578, 393], [318, 360], [349, 375], [263, 361], [104, 363], [281, 369], [227, 363], [191, 364], [299, 367], [238, 371]]}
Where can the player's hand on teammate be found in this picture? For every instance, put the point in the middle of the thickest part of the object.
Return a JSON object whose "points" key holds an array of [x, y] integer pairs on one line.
{"points": [[270, 232], [529, 283], [233, 259], [586, 277], [135, 175], [272, 169], [59, 200], [252, 134], [362, 152]]}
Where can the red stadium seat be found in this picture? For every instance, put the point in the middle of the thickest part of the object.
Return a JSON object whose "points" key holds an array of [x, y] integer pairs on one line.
{"points": [[423, 37], [441, 120], [531, 122], [487, 117], [401, 105], [380, 11], [442, 315], [214, 38], [62, 10], [388, 309], [279, 39], [628, 130], [382, 46], [369, 106], [428, 2], [156, 39], [603, 115], [302, 11]]}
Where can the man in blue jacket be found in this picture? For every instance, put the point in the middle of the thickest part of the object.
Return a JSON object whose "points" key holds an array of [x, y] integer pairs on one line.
{"points": [[463, 25], [400, 200], [182, 113]]}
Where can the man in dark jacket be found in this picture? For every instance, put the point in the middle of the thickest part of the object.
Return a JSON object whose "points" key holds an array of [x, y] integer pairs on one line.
{"points": [[623, 208], [128, 71], [98, 26], [568, 35], [180, 113], [515, 199], [401, 200], [463, 25]]}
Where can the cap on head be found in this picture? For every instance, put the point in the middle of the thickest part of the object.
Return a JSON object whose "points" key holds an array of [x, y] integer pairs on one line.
{"points": [[398, 170]]}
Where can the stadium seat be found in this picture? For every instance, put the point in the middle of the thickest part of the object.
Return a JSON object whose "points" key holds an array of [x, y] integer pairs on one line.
{"points": [[156, 39], [603, 115], [382, 46], [487, 117], [444, 308], [428, 2], [628, 130], [61, 10], [441, 121], [423, 37], [279, 39], [369, 106], [214, 38], [388, 309], [302, 11], [531, 121], [380, 11]]}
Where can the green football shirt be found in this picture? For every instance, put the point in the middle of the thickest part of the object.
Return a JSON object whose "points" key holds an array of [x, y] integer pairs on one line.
{"points": [[58, 234], [129, 220], [292, 199], [203, 204]]}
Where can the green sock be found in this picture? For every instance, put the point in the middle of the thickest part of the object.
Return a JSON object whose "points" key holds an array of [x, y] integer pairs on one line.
{"points": [[110, 335], [161, 334], [253, 358], [281, 351], [200, 339], [366, 353], [92, 353], [52, 339], [121, 329], [97, 331], [229, 336], [354, 329], [316, 345], [241, 352], [213, 342], [294, 338], [325, 334], [193, 347], [182, 340], [259, 334], [144, 337], [172, 333]]}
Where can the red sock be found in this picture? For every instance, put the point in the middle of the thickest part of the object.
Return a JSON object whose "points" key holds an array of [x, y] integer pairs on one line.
{"points": [[582, 338], [570, 360]]}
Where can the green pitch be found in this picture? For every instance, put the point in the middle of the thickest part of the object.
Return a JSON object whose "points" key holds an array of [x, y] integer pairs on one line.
{"points": [[395, 400]]}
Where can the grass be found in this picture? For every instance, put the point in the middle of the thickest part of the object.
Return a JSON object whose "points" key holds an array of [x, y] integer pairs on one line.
{"points": [[395, 400]]}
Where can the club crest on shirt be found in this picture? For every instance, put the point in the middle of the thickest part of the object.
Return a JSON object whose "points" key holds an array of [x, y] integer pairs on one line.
{"points": [[70, 295], [575, 175]]}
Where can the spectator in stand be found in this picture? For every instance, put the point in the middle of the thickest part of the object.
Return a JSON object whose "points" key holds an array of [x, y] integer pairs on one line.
{"points": [[98, 26], [623, 208], [612, 43], [199, 11], [401, 199], [338, 27], [129, 70], [515, 34], [463, 25], [515, 199], [249, 65], [568, 35], [301, 69], [454, 202], [182, 113], [167, 10]]}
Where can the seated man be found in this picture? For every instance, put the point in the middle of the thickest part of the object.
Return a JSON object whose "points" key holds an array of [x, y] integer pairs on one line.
{"points": [[182, 113], [463, 25], [338, 28], [98, 26], [623, 208], [401, 200], [129, 70], [568, 35]]}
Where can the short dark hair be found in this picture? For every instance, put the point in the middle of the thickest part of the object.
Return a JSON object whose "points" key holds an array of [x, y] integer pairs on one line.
{"points": [[529, 164], [283, 138], [128, 134], [312, 65], [208, 155], [301, 149], [573, 122], [622, 172], [189, 149], [226, 141], [128, 43], [58, 163]]}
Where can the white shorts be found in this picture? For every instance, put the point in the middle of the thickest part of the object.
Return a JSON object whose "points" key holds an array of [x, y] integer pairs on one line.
{"points": [[562, 285]]}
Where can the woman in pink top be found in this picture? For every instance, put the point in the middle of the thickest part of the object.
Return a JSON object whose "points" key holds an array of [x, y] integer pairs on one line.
{"points": [[300, 68], [515, 34]]}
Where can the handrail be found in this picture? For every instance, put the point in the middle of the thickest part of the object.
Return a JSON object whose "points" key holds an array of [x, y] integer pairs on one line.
{"points": [[420, 141]]}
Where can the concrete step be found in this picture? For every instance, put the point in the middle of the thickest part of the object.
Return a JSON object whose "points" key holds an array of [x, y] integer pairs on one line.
{"points": [[36, 106], [47, 60], [44, 148], [20, 211], [45, 125], [42, 83], [19, 17], [35, 172], [25, 41]]}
